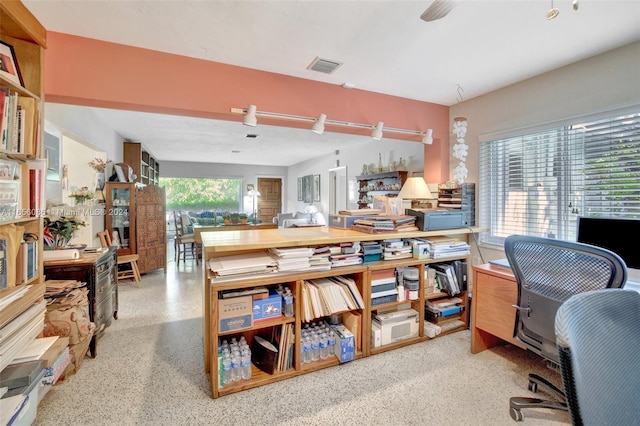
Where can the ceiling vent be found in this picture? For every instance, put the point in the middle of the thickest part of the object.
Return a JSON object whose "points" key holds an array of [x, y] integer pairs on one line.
{"points": [[326, 66]]}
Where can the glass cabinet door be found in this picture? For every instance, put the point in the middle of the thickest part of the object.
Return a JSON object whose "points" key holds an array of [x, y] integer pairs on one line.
{"points": [[121, 211]]}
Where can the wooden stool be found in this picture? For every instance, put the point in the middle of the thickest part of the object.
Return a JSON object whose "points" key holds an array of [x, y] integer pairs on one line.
{"points": [[131, 259]]}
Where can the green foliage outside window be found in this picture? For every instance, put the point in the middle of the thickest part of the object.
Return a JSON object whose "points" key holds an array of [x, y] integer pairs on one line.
{"points": [[198, 194]]}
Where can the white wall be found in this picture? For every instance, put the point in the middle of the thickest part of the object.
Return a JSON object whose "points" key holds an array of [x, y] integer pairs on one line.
{"points": [[354, 158], [603, 82], [82, 126]]}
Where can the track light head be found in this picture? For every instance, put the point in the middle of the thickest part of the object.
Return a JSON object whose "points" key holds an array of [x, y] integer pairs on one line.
{"points": [[250, 118], [318, 126], [427, 139], [377, 131]]}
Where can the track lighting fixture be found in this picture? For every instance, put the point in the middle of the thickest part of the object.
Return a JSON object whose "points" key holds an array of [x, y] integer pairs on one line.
{"points": [[377, 131], [251, 114], [318, 126], [427, 139], [250, 118]]}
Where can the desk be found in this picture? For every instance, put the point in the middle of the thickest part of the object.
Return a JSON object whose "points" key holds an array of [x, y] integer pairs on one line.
{"points": [[492, 315], [197, 229]]}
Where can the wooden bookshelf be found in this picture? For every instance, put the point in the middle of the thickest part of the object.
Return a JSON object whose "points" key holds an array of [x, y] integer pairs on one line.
{"points": [[145, 166], [220, 244]]}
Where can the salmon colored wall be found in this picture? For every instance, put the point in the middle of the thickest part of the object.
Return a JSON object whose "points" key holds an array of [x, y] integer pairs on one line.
{"points": [[89, 72]]}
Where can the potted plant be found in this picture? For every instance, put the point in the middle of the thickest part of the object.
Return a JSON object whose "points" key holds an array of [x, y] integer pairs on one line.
{"points": [[81, 195], [243, 218], [234, 218], [226, 218], [59, 231]]}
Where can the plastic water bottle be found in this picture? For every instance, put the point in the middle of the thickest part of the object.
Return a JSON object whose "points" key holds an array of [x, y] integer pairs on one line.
{"points": [[236, 365], [288, 304], [306, 350], [315, 347], [226, 362], [324, 349], [331, 343], [246, 363]]}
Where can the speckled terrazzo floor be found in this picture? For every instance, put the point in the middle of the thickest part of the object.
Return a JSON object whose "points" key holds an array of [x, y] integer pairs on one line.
{"points": [[149, 371]]}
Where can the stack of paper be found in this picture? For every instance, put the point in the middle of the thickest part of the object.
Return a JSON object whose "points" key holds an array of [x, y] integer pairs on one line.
{"points": [[440, 247], [292, 259], [325, 296], [250, 263]]}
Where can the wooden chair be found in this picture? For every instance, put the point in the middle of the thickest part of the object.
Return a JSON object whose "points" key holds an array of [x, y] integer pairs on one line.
{"points": [[185, 243], [130, 259]]}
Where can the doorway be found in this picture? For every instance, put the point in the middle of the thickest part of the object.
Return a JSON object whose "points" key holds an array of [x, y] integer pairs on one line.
{"points": [[338, 189], [270, 200]]}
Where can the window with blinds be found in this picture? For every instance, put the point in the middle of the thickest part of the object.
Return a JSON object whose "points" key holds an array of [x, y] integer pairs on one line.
{"points": [[539, 183]]}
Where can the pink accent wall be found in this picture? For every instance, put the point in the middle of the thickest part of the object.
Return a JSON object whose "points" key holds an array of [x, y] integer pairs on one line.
{"points": [[82, 71]]}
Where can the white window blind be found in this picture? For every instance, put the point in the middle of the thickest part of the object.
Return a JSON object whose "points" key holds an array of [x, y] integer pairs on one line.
{"points": [[539, 183]]}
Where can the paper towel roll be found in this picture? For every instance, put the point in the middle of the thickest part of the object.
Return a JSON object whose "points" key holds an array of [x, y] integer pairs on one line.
{"points": [[61, 254]]}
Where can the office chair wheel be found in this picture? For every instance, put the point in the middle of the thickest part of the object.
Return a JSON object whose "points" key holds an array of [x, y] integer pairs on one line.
{"points": [[516, 414], [533, 386]]}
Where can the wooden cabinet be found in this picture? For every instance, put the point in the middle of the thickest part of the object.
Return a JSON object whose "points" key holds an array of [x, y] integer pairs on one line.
{"points": [[151, 232], [145, 166], [99, 272], [220, 244], [493, 316], [20, 154], [389, 184], [136, 214], [121, 218]]}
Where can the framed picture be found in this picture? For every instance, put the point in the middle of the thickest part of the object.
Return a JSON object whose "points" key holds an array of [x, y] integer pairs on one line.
{"points": [[9, 64], [316, 188], [52, 155], [120, 173], [7, 170], [307, 189], [299, 189]]}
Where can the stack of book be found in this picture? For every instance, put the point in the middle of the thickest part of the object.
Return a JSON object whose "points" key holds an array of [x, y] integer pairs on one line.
{"points": [[440, 310], [383, 286], [243, 264], [440, 247], [382, 224], [346, 254], [320, 259], [361, 212], [292, 259], [397, 248]]}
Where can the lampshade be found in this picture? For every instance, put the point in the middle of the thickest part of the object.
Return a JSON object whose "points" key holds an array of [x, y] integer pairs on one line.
{"points": [[318, 126], [253, 193], [311, 209], [250, 118], [427, 139], [415, 188], [377, 132]]}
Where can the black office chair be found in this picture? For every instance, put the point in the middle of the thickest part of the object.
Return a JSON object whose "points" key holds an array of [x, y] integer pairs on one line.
{"points": [[598, 337], [548, 272]]}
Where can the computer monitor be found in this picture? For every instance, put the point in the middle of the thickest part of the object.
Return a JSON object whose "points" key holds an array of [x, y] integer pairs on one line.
{"points": [[616, 235]]}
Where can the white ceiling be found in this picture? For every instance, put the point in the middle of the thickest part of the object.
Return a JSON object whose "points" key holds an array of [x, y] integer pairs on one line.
{"points": [[384, 46]]}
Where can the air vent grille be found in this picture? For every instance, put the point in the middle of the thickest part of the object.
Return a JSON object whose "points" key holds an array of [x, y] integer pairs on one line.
{"points": [[326, 66]]}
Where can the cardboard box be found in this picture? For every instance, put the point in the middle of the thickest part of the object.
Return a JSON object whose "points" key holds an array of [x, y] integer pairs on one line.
{"points": [[345, 343], [267, 308], [235, 313], [343, 221]]}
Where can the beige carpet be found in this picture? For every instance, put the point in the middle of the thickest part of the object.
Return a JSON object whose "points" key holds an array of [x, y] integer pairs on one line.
{"points": [[149, 371]]}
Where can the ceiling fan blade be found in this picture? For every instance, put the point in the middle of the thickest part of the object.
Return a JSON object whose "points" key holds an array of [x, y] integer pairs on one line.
{"points": [[438, 9]]}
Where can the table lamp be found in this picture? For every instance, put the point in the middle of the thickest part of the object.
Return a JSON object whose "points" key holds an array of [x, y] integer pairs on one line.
{"points": [[254, 193], [312, 210], [414, 189]]}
